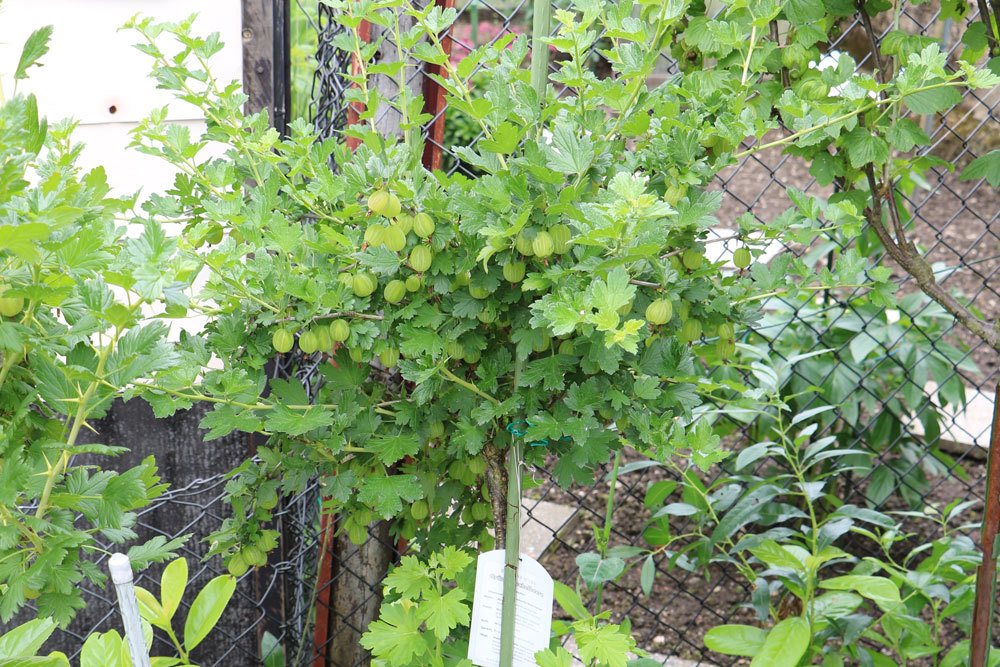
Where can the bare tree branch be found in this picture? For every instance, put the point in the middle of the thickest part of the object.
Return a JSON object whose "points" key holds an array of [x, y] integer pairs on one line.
{"points": [[905, 254]]}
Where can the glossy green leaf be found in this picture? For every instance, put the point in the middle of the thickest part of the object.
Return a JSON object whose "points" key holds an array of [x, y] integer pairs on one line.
{"points": [[173, 582], [595, 570], [206, 609], [26, 639], [877, 589], [784, 645], [151, 609], [735, 639]]}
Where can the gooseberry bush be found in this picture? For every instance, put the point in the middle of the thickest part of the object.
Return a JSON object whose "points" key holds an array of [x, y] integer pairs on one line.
{"points": [[562, 295], [565, 290]]}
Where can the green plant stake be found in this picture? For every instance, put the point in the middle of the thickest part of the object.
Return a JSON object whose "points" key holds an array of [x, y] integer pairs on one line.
{"points": [[512, 548], [539, 50]]}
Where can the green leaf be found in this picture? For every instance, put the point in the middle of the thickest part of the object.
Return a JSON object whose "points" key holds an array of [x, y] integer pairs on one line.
{"points": [[102, 650], [272, 651], [773, 554], [36, 46], [611, 294], [21, 239], [570, 601], [26, 639], [785, 645], [443, 613], [395, 636], [173, 581], [802, 12], [934, 100], [385, 495], [569, 153], [595, 570], [156, 550], [283, 419], [876, 589], [647, 575], [151, 609], [207, 608], [409, 579], [735, 639], [747, 509], [836, 604], [904, 135], [451, 561], [825, 168], [392, 448], [558, 658], [607, 644], [863, 147], [55, 659], [987, 166], [161, 661]]}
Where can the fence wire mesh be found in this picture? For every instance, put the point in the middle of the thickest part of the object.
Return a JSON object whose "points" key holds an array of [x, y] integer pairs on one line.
{"points": [[909, 386]]}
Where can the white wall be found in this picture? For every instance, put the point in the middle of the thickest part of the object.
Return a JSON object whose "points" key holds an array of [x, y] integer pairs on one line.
{"points": [[92, 73]]}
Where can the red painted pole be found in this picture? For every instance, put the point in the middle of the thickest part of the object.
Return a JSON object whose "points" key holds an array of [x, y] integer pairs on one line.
{"points": [[324, 586], [328, 523], [986, 575], [354, 109], [435, 102]]}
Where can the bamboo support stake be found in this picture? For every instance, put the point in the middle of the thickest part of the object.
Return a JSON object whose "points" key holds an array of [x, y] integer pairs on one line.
{"points": [[512, 551], [512, 544], [540, 50]]}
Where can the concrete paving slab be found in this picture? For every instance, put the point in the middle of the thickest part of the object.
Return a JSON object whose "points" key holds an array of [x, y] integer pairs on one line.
{"points": [[541, 522], [964, 428]]}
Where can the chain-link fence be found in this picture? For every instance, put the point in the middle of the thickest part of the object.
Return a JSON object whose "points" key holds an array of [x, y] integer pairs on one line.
{"points": [[909, 386]]}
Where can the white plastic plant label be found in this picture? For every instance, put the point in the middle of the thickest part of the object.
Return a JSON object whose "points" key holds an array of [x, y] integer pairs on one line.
{"points": [[533, 619]]}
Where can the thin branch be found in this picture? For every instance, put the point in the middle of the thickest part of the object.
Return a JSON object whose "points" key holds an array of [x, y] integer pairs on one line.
{"points": [[776, 38], [906, 255], [468, 385], [882, 74], [985, 17]]}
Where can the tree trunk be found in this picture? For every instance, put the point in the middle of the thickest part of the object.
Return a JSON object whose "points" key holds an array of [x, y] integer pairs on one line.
{"points": [[356, 575]]}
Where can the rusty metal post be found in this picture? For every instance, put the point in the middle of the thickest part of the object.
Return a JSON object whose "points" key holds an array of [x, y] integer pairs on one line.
{"points": [[986, 575], [435, 102]]}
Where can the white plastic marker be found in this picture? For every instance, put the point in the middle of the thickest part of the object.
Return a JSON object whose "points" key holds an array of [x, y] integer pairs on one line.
{"points": [[121, 574], [533, 622]]}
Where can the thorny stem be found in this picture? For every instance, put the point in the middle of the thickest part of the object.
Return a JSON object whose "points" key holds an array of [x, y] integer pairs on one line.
{"points": [[746, 62], [606, 529], [468, 385], [838, 119], [905, 254], [78, 420]]}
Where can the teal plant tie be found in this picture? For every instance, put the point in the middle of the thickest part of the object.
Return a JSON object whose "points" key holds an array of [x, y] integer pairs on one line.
{"points": [[519, 428]]}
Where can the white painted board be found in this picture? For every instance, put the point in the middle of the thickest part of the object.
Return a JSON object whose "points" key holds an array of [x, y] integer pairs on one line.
{"points": [[93, 67]]}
